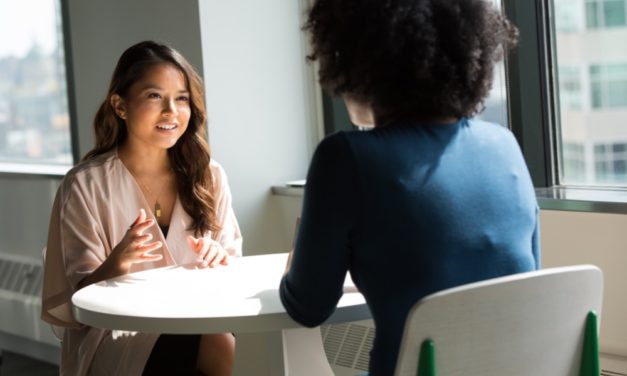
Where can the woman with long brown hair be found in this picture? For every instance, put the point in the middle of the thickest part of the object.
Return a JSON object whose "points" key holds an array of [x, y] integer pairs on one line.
{"points": [[148, 195]]}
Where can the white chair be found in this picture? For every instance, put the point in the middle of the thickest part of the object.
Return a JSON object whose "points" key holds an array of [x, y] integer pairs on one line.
{"points": [[529, 324]]}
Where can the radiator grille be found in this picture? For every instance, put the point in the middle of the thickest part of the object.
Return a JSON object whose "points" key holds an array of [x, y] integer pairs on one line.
{"points": [[22, 276], [348, 345]]}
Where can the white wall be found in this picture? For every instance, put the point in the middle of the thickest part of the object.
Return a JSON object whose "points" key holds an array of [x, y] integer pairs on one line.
{"points": [[262, 117], [570, 238], [102, 30]]}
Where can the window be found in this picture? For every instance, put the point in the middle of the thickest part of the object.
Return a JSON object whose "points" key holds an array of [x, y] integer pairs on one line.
{"points": [[592, 96], [570, 90], [34, 114], [608, 85], [605, 13]]}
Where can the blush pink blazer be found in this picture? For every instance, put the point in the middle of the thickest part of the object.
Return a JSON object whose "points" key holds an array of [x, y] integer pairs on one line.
{"points": [[93, 208]]}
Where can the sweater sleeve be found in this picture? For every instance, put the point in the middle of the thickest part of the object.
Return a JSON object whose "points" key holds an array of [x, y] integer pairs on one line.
{"points": [[312, 287]]}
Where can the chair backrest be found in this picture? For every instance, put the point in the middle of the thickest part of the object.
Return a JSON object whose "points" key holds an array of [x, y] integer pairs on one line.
{"points": [[524, 324]]}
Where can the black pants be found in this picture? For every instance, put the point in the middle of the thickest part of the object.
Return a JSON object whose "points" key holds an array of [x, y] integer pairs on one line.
{"points": [[173, 355]]}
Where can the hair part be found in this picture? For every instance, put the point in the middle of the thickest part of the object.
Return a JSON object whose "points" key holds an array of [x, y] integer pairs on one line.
{"points": [[190, 157], [419, 59]]}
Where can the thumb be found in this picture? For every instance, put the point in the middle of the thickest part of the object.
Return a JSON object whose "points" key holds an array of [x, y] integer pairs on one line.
{"points": [[193, 242], [142, 215]]}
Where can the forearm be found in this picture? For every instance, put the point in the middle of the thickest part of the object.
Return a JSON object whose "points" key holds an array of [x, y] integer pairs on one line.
{"points": [[110, 268]]}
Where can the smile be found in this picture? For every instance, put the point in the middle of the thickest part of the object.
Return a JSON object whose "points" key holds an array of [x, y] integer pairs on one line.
{"points": [[167, 127]]}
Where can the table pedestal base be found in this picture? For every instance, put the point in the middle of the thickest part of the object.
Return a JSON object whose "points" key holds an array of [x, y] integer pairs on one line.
{"points": [[290, 352]]}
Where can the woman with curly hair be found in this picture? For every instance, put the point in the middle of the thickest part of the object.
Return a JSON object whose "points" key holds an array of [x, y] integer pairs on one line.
{"points": [[428, 199], [148, 195]]}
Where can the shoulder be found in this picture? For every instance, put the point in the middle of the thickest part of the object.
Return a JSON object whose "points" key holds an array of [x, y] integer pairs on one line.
{"points": [[218, 174], [492, 130], [93, 171], [335, 145]]}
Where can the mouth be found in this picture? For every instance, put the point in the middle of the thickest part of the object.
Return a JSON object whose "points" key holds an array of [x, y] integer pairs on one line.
{"points": [[167, 126]]}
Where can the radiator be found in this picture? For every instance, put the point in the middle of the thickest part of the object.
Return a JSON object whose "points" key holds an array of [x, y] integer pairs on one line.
{"points": [[21, 329], [348, 345]]}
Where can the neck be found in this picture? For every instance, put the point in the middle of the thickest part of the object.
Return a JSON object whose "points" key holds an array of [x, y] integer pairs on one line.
{"points": [[146, 162]]}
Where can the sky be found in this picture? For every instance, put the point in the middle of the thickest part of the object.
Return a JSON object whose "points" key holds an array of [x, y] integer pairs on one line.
{"points": [[23, 22]]}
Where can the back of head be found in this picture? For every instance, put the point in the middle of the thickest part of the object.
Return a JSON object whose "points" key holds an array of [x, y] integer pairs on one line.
{"points": [[419, 59]]}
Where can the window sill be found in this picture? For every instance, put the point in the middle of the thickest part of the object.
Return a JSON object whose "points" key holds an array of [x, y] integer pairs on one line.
{"points": [[288, 191], [37, 170], [598, 200], [595, 200]]}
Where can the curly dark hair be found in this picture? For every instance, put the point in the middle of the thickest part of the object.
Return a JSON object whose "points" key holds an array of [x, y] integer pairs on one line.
{"points": [[418, 59], [190, 156]]}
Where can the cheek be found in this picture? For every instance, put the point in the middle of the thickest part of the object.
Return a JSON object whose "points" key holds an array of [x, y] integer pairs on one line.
{"points": [[185, 113]]}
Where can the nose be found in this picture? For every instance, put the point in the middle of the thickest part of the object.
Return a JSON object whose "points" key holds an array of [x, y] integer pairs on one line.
{"points": [[169, 107]]}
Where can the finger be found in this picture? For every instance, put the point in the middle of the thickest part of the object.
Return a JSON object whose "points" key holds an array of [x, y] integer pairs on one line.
{"points": [[203, 247], [211, 254], [144, 250], [140, 218], [193, 242], [140, 240], [225, 260], [220, 255], [142, 226]]}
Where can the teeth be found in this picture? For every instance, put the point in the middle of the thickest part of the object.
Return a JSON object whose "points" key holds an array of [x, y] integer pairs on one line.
{"points": [[166, 126]]}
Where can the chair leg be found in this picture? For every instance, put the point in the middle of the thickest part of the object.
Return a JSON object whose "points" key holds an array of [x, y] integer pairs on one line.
{"points": [[426, 362], [590, 354]]}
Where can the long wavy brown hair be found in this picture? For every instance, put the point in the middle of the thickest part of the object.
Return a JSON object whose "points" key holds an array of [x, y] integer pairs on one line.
{"points": [[190, 156]]}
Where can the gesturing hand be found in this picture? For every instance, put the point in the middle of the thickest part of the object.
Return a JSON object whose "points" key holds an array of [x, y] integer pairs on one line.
{"points": [[209, 251], [133, 247]]}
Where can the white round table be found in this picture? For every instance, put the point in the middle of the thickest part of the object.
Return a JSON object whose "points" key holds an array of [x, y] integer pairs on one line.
{"points": [[241, 298]]}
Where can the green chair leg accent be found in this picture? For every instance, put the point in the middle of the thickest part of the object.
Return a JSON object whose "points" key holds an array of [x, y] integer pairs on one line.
{"points": [[426, 363], [590, 354]]}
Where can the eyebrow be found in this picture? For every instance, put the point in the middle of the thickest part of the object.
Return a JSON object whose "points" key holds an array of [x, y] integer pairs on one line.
{"points": [[156, 87]]}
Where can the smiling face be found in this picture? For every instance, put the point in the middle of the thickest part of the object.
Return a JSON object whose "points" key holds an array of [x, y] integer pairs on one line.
{"points": [[156, 109]]}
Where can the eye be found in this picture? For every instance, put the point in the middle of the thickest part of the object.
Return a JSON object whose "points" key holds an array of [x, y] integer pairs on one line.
{"points": [[183, 98], [154, 95]]}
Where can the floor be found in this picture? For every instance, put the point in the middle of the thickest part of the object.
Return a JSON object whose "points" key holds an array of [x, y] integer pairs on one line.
{"points": [[12, 364]]}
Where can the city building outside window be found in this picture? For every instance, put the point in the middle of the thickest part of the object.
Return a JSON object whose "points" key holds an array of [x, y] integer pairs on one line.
{"points": [[605, 13], [591, 93], [34, 115]]}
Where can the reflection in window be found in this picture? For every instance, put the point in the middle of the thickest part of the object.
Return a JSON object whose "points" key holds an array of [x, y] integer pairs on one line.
{"points": [[34, 120], [592, 94]]}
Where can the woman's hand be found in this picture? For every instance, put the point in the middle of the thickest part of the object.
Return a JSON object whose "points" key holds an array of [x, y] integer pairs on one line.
{"points": [[130, 250], [133, 248], [209, 251]]}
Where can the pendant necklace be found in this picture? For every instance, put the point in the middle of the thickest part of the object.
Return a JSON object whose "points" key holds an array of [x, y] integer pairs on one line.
{"points": [[157, 209]]}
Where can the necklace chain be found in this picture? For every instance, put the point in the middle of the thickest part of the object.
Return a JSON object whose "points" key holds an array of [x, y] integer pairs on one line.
{"points": [[157, 209]]}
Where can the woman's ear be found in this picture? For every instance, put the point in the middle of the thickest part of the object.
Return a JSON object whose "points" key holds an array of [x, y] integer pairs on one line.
{"points": [[117, 102], [361, 115]]}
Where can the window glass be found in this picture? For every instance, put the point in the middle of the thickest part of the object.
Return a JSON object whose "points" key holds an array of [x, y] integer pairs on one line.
{"points": [[34, 116], [496, 103], [592, 94]]}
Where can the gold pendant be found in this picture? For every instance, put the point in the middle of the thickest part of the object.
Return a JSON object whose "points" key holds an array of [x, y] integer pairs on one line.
{"points": [[157, 209]]}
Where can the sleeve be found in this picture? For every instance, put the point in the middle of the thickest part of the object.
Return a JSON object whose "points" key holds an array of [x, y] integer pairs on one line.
{"points": [[313, 285], [229, 236], [74, 250]]}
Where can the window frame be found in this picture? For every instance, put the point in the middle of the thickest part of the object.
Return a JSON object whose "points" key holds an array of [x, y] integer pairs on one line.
{"points": [[52, 170], [532, 80]]}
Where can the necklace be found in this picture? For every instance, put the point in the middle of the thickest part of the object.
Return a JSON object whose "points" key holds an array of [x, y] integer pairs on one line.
{"points": [[157, 209]]}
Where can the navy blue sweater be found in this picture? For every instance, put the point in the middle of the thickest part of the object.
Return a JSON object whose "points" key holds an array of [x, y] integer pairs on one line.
{"points": [[409, 209]]}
